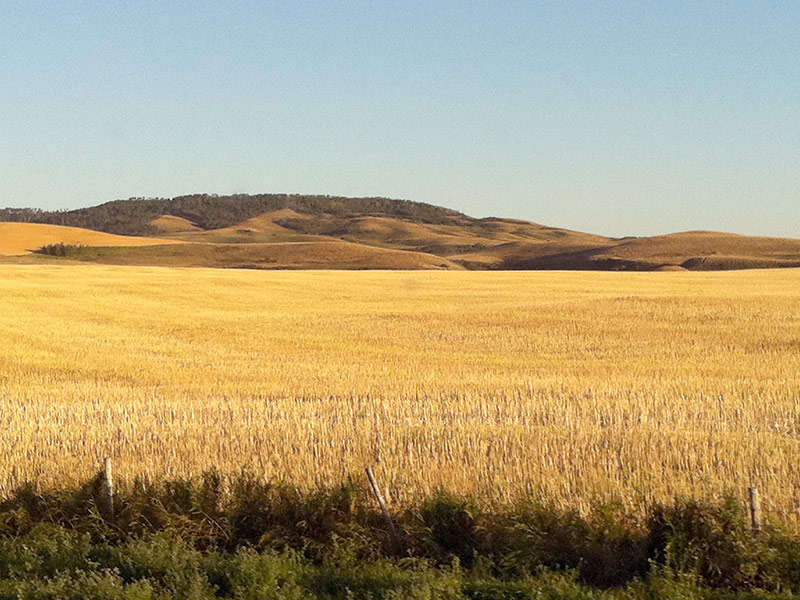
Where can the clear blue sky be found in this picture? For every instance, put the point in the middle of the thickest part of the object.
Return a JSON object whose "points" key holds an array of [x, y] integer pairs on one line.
{"points": [[611, 117]]}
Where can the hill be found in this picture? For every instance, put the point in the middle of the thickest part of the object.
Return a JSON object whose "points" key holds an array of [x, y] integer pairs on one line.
{"points": [[296, 231], [135, 216]]}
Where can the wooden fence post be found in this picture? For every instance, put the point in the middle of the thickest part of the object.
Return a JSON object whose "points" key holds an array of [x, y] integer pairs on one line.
{"points": [[755, 509], [379, 497], [107, 491]]}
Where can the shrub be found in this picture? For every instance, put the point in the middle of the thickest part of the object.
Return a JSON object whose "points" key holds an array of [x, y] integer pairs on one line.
{"points": [[60, 249], [448, 528], [712, 542]]}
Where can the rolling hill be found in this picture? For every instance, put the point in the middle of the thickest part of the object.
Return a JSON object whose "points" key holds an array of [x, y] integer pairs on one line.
{"points": [[319, 232]]}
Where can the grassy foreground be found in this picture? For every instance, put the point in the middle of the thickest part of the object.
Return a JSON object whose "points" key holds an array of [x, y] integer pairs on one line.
{"points": [[575, 387], [241, 538]]}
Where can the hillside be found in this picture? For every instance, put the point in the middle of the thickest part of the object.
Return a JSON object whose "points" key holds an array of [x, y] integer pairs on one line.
{"points": [[318, 232], [695, 250], [22, 238], [288, 255]]}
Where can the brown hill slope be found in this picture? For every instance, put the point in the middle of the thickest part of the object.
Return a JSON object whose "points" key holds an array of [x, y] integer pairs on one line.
{"points": [[693, 250], [679, 248], [477, 243]]}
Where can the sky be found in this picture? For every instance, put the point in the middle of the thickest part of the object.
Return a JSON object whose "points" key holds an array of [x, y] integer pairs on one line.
{"points": [[617, 118]]}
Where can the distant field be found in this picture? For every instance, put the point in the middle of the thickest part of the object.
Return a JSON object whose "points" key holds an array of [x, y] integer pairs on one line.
{"points": [[22, 238], [576, 386]]}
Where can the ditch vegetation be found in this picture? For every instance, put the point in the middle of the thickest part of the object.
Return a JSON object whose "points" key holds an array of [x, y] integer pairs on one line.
{"points": [[242, 537]]}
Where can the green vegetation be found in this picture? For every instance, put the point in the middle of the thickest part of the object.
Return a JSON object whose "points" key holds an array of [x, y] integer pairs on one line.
{"points": [[246, 538]]}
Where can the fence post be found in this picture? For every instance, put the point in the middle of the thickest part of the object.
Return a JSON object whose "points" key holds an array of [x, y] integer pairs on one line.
{"points": [[379, 497], [107, 491], [755, 509]]}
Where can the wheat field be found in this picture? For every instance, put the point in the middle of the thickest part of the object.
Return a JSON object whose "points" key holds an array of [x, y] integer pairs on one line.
{"points": [[575, 387]]}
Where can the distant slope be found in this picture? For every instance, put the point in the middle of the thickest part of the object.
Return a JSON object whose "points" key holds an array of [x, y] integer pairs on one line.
{"points": [[724, 250], [172, 224], [694, 250], [286, 255], [22, 238], [476, 243], [296, 231]]}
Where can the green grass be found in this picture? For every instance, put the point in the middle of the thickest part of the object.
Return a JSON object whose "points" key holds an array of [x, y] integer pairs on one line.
{"points": [[55, 563], [245, 538]]}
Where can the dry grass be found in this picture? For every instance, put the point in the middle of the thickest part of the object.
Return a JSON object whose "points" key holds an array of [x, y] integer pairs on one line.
{"points": [[22, 238], [172, 224], [578, 386]]}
